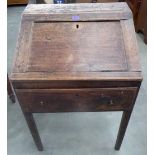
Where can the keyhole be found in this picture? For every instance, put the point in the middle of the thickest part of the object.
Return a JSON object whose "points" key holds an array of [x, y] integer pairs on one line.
{"points": [[77, 26]]}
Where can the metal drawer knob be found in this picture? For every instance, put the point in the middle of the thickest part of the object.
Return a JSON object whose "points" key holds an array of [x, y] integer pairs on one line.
{"points": [[42, 103], [106, 99], [111, 102]]}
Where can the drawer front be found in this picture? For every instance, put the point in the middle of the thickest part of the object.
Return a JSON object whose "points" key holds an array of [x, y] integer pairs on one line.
{"points": [[76, 100]]}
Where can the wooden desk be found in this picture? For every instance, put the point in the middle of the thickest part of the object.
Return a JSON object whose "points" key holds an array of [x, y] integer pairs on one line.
{"points": [[76, 58]]}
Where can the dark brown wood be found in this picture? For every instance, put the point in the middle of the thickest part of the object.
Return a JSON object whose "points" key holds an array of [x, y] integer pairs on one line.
{"points": [[134, 5], [68, 58], [33, 129], [76, 58], [76, 100], [124, 123], [16, 2], [139, 9], [141, 24], [73, 84], [10, 90], [123, 126]]}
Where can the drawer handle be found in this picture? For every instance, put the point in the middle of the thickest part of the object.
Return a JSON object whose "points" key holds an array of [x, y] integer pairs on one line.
{"points": [[42, 103], [106, 100], [111, 102]]}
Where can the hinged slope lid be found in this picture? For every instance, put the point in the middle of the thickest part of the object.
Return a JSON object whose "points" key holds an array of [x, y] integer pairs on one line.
{"points": [[76, 41]]}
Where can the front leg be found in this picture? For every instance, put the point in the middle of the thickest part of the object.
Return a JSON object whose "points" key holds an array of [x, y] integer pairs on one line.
{"points": [[122, 129], [33, 129]]}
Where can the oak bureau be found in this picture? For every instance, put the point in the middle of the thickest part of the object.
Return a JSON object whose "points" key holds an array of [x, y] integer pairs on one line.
{"points": [[76, 58]]}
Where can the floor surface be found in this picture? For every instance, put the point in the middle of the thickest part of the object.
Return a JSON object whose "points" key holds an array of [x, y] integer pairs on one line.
{"points": [[75, 133]]}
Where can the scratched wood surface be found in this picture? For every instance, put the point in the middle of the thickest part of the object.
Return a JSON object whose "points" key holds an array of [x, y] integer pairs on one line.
{"points": [[87, 12], [72, 8], [77, 46], [76, 100], [76, 58], [98, 46]]}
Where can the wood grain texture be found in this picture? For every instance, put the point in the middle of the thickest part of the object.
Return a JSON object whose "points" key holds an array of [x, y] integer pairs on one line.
{"points": [[87, 12], [74, 84], [22, 47], [75, 76], [76, 58], [110, 52], [16, 2], [61, 45], [76, 100], [131, 47]]}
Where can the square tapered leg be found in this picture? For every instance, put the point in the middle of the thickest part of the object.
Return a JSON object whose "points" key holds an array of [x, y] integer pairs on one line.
{"points": [[34, 131], [122, 129]]}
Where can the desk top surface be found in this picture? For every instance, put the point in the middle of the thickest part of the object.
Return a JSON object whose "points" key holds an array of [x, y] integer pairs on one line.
{"points": [[55, 43]]}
